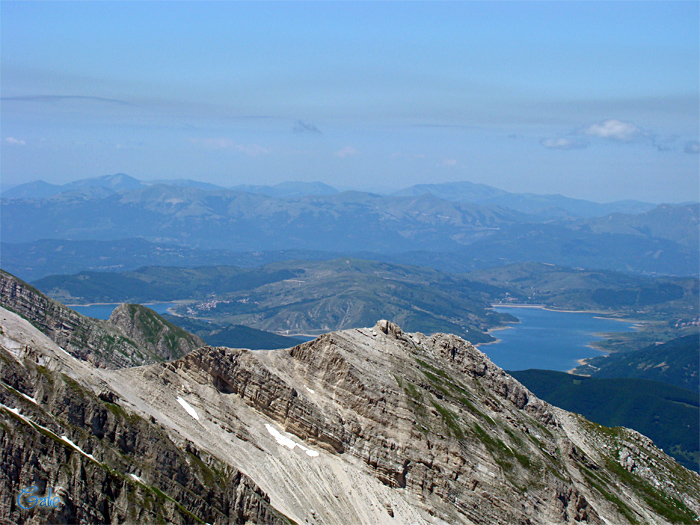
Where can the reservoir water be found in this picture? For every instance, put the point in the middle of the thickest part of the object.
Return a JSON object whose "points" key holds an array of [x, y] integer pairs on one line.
{"points": [[103, 311], [542, 339], [547, 339]]}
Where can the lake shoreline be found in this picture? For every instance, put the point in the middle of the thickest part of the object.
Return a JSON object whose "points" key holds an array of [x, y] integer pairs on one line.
{"points": [[604, 315], [581, 362], [104, 310], [117, 304]]}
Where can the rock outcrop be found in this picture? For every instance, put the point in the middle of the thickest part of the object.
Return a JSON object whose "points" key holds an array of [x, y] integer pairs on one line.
{"points": [[152, 332]]}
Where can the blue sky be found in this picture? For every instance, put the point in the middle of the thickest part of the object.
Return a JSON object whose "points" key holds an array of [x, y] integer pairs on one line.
{"points": [[595, 100]]}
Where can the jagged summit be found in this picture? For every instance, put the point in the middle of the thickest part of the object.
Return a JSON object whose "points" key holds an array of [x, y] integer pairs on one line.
{"points": [[387, 327], [371, 425]]}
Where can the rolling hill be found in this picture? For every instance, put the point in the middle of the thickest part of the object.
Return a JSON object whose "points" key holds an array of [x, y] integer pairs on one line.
{"points": [[298, 297]]}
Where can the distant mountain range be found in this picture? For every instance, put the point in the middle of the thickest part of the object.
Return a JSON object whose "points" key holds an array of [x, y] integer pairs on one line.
{"points": [[121, 182], [433, 225], [540, 205], [35, 260], [239, 221], [552, 206]]}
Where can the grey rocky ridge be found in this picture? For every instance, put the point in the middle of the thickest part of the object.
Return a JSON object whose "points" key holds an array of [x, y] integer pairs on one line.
{"points": [[369, 425], [152, 332]]}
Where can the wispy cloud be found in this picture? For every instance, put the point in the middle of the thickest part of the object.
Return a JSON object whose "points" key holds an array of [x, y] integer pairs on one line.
{"points": [[565, 143], [448, 163], [60, 98], [692, 147], [252, 150], [347, 151], [615, 130], [15, 142], [407, 156], [302, 127], [214, 143]]}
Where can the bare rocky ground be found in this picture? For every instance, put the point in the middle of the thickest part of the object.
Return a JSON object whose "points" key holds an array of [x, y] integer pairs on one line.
{"points": [[360, 426]]}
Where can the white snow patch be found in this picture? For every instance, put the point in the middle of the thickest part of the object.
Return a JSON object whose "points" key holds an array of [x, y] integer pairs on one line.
{"points": [[62, 350], [312, 391], [76, 447], [25, 396], [282, 440], [135, 477], [10, 344], [14, 411], [485, 470], [288, 442], [191, 411]]}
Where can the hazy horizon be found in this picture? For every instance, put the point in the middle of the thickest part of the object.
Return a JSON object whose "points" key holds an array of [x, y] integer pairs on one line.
{"points": [[380, 190], [591, 100]]}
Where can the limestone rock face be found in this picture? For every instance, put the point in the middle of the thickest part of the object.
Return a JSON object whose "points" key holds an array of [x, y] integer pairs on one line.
{"points": [[154, 333], [106, 464], [361, 426]]}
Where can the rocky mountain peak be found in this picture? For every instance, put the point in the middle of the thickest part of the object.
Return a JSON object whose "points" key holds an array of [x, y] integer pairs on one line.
{"points": [[387, 327], [371, 425]]}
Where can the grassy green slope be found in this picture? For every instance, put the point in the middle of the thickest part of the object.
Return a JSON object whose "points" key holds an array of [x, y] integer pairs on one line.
{"points": [[674, 362], [156, 283], [668, 415]]}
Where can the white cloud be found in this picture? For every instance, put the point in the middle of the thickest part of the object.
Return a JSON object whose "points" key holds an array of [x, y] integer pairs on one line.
{"points": [[614, 129], [563, 143], [16, 142], [251, 150], [449, 163], [347, 151]]}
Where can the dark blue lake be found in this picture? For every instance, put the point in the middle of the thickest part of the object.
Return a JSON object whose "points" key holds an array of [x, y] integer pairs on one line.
{"points": [[103, 311], [549, 340]]}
